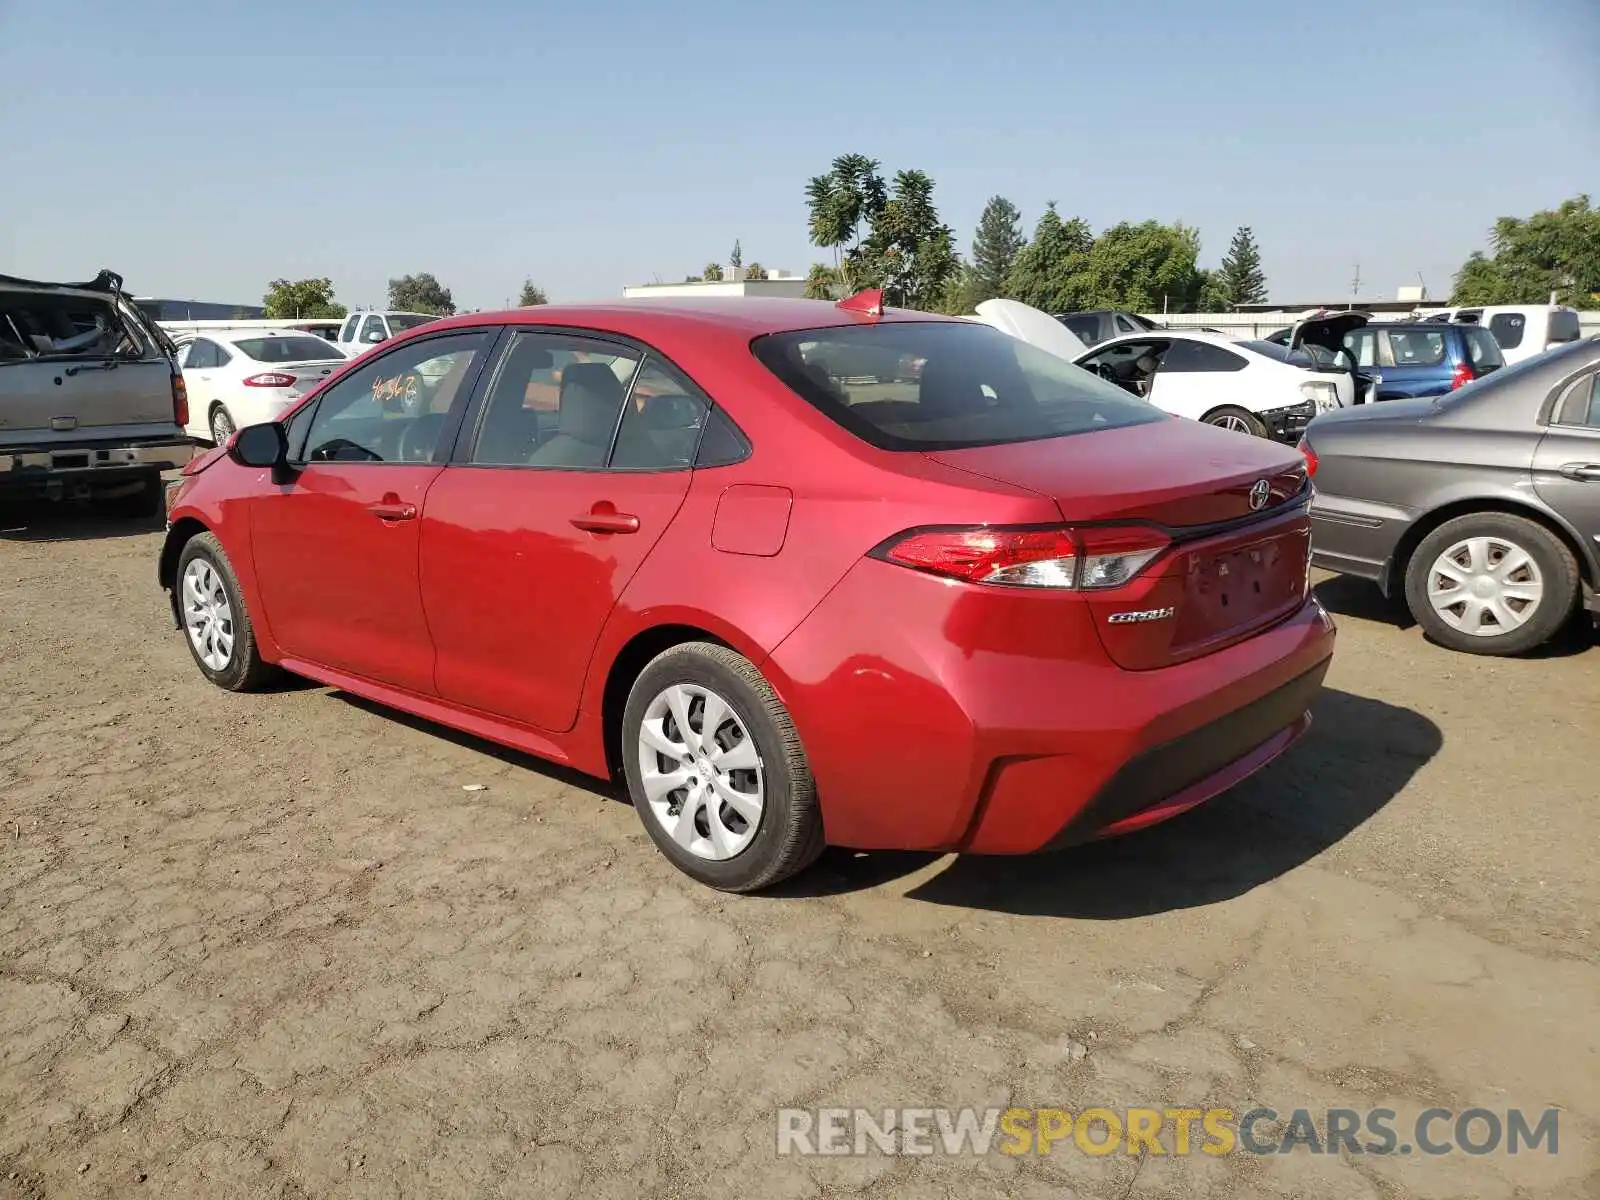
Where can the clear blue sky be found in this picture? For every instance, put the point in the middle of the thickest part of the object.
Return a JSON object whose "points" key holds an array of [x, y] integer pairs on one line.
{"points": [[204, 149]]}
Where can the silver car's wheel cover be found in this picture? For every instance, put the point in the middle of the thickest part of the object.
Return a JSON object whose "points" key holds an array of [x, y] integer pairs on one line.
{"points": [[207, 615], [701, 772], [1485, 586], [221, 426], [1230, 421]]}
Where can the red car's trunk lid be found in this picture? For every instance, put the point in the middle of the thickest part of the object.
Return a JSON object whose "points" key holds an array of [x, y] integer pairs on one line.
{"points": [[1239, 553]]}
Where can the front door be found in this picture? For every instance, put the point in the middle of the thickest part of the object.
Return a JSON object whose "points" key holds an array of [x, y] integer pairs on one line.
{"points": [[1566, 466], [580, 460], [335, 546]]}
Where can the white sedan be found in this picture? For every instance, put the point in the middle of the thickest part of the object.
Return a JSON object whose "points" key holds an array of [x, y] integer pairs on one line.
{"points": [[239, 377], [1253, 387]]}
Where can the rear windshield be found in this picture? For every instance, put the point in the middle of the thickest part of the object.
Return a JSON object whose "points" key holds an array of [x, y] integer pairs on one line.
{"points": [[945, 385], [1564, 325], [303, 348], [1482, 348], [400, 322]]}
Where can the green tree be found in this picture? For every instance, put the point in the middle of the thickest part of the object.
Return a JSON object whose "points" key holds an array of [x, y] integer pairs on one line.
{"points": [[712, 273], [995, 247], [1148, 267], [736, 259], [1049, 272], [286, 299], [822, 282], [909, 251], [421, 293], [1554, 251], [755, 271], [1240, 279], [532, 295], [843, 204]]}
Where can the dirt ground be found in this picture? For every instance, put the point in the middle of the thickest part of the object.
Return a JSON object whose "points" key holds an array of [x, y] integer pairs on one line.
{"points": [[268, 945]]}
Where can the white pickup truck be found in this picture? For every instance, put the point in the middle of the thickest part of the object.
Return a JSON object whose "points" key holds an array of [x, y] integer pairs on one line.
{"points": [[363, 330]]}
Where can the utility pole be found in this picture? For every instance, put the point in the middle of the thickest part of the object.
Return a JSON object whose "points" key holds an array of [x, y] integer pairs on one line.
{"points": [[1355, 285]]}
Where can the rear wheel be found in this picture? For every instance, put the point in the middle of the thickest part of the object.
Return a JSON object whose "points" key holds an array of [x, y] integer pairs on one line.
{"points": [[716, 770], [1236, 419], [1492, 583], [215, 623], [222, 426]]}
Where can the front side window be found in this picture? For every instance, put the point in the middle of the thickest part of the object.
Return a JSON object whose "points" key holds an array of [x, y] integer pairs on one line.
{"points": [[373, 331], [394, 408], [554, 402], [977, 386]]}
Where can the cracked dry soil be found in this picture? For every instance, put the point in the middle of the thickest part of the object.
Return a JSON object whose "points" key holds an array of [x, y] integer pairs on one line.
{"points": [[267, 946]]}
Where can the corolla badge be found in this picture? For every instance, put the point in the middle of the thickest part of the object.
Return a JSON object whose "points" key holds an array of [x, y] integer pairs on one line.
{"points": [[1260, 492], [1135, 618]]}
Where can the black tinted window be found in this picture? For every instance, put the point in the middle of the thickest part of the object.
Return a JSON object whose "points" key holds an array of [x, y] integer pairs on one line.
{"points": [[1508, 329], [394, 408], [400, 322], [924, 385], [1564, 326], [1482, 348], [1085, 325], [1199, 356], [722, 443], [286, 349]]}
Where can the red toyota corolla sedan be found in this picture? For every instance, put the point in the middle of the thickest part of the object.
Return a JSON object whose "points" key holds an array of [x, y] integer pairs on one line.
{"points": [[792, 593]]}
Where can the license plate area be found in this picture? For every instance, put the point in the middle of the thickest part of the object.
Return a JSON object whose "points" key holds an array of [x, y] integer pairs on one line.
{"points": [[1241, 586]]}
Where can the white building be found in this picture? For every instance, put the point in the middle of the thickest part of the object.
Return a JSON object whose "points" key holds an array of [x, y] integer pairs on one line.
{"points": [[775, 283]]}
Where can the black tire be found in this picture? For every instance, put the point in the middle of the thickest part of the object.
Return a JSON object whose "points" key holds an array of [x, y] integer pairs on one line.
{"points": [[245, 670], [789, 833], [1229, 416], [1558, 571]]}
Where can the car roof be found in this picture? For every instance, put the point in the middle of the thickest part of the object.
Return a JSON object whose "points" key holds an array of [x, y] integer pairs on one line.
{"points": [[1188, 335], [239, 332], [748, 316]]}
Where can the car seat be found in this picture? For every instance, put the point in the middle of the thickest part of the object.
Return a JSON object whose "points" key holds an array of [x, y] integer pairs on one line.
{"points": [[590, 398]]}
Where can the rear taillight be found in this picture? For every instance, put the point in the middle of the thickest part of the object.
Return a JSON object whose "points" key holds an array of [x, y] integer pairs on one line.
{"points": [[180, 401], [270, 379], [1461, 376], [1083, 559], [1310, 455]]}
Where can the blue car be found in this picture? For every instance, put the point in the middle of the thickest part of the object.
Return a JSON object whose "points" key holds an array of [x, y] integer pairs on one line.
{"points": [[1407, 361]]}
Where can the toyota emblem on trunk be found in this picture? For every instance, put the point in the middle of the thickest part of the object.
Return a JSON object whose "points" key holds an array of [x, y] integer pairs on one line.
{"points": [[1260, 490]]}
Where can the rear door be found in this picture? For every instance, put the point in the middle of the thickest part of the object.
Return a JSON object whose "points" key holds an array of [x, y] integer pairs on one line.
{"points": [[1566, 465], [553, 502], [1196, 378]]}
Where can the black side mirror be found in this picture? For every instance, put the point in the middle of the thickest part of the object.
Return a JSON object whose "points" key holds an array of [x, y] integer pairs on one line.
{"points": [[264, 445]]}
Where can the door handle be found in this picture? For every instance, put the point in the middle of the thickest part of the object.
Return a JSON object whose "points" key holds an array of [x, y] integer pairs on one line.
{"points": [[604, 518], [393, 510], [1582, 472]]}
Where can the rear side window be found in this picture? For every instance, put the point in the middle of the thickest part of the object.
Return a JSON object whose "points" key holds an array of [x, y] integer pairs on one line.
{"points": [[1564, 326], [1580, 404], [1482, 348], [975, 386], [1508, 329], [1199, 357]]}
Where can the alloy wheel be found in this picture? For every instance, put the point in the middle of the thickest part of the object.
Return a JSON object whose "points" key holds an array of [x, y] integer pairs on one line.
{"points": [[207, 615], [1230, 421], [701, 772], [221, 426], [1485, 586]]}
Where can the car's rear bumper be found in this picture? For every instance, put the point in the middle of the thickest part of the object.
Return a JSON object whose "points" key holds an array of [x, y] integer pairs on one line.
{"points": [[1356, 537], [932, 723], [29, 465]]}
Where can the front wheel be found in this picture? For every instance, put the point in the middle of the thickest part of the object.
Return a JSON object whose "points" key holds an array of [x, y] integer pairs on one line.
{"points": [[1491, 583], [716, 770], [215, 623], [1237, 420]]}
